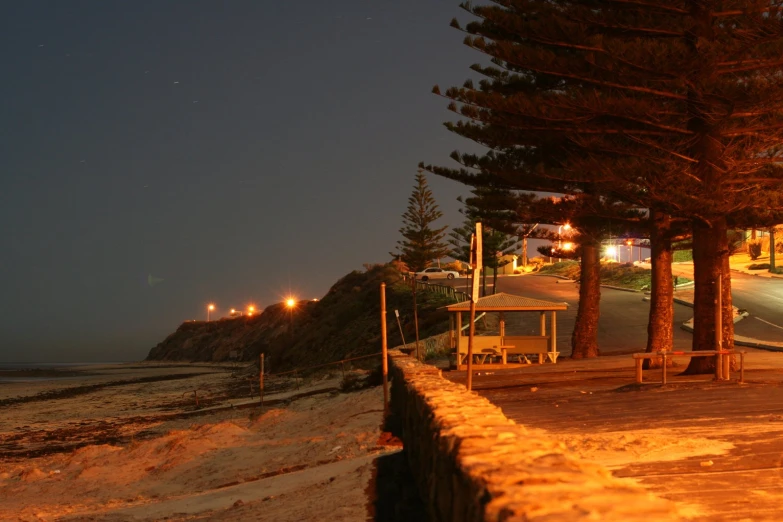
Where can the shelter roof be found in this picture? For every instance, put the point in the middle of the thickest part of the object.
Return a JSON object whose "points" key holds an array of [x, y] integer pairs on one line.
{"points": [[502, 302]]}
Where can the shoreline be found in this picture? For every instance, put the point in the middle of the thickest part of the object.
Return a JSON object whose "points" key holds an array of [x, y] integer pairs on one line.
{"points": [[132, 439]]}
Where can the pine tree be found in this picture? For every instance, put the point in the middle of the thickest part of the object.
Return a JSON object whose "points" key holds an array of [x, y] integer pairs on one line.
{"points": [[674, 105], [421, 244]]}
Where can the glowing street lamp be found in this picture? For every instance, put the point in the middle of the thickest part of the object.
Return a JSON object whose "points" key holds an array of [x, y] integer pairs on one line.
{"points": [[290, 303], [251, 310], [210, 308]]}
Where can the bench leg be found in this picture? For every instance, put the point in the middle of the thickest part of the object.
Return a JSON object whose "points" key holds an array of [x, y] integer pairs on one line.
{"points": [[638, 370], [719, 367], [742, 367], [663, 368]]}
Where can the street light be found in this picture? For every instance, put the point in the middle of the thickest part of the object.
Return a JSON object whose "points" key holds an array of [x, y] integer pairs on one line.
{"points": [[290, 303], [210, 308], [251, 310]]}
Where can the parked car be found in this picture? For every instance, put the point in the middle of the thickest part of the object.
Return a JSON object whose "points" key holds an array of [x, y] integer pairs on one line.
{"points": [[436, 273]]}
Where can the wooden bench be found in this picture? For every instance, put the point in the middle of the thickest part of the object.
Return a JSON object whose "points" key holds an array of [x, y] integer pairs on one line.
{"points": [[722, 362]]}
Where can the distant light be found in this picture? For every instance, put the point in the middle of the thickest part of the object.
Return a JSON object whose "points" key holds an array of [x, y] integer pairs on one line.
{"points": [[568, 246], [566, 227], [629, 242], [290, 302], [211, 307], [611, 250], [233, 311], [251, 309], [316, 299]]}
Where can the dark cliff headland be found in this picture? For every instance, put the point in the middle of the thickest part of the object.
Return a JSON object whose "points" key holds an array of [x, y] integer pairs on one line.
{"points": [[344, 323]]}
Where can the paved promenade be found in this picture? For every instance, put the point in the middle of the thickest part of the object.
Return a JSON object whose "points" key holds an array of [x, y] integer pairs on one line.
{"points": [[716, 448]]}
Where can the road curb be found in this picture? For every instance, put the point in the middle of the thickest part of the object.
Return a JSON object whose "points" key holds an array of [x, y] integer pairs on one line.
{"points": [[758, 344], [750, 343], [553, 275], [621, 288]]}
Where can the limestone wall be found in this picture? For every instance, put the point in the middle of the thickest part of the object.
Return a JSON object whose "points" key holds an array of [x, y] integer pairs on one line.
{"points": [[474, 464]]}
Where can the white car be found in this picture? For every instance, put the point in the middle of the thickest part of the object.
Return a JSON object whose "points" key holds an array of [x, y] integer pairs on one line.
{"points": [[436, 273]]}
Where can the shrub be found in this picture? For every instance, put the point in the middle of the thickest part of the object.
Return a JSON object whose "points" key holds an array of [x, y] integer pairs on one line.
{"points": [[759, 266], [754, 249], [679, 256], [456, 266]]}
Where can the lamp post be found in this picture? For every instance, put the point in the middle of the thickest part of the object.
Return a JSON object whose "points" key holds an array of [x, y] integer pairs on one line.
{"points": [[210, 308], [629, 242]]}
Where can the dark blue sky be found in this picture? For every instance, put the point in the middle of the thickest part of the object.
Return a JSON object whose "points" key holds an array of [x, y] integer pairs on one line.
{"points": [[235, 149]]}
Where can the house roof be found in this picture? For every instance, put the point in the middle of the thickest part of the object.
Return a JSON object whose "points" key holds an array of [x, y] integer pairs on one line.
{"points": [[509, 303]]}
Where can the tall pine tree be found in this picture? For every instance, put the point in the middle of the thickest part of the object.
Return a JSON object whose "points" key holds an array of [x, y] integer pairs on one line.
{"points": [[421, 243], [675, 104]]}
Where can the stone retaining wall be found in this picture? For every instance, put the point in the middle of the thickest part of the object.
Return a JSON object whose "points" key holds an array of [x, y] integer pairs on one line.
{"points": [[474, 464]]}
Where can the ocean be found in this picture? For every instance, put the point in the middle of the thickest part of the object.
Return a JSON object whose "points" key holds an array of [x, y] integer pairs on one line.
{"points": [[11, 372]]}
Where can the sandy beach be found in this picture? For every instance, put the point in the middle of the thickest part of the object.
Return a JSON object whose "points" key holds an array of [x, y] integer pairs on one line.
{"points": [[127, 442]]}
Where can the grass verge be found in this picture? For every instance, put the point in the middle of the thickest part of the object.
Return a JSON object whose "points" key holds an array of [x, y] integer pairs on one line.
{"points": [[623, 275]]}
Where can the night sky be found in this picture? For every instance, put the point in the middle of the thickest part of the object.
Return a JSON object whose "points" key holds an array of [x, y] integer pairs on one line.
{"points": [[236, 150]]}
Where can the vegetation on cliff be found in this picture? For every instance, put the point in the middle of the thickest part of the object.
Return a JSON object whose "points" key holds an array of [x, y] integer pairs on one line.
{"points": [[344, 323]]}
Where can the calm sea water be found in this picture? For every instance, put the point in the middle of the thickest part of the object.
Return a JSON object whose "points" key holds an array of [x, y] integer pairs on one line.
{"points": [[46, 371]]}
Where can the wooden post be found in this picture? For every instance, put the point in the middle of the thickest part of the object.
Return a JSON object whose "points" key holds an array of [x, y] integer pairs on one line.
{"points": [[718, 326], [553, 342], [542, 319], [742, 367], [472, 332], [385, 364], [416, 320], [638, 370], [663, 369], [476, 262], [261, 380]]}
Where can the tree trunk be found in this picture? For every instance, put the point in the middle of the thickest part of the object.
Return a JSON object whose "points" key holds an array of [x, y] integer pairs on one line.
{"points": [[494, 281], [710, 240], [772, 250], [660, 326], [710, 247], [584, 340]]}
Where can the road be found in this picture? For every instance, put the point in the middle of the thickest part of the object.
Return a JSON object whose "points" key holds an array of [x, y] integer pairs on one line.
{"points": [[761, 296], [622, 326]]}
